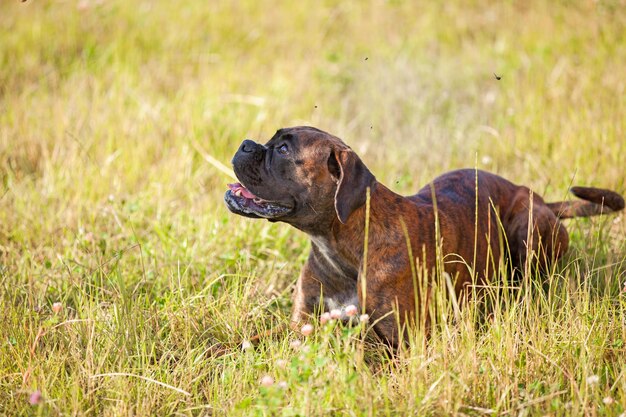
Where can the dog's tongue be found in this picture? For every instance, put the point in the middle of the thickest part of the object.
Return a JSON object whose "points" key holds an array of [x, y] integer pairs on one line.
{"points": [[244, 191]]}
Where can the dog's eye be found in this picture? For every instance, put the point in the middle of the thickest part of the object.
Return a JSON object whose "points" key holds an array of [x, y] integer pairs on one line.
{"points": [[283, 149]]}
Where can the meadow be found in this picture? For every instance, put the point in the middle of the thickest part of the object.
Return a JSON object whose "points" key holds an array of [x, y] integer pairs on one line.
{"points": [[126, 286]]}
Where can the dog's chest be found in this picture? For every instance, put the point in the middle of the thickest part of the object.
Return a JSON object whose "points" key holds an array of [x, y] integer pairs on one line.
{"points": [[338, 278], [332, 266]]}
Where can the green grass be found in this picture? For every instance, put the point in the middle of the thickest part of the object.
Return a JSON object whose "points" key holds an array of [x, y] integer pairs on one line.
{"points": [[108, 206]]}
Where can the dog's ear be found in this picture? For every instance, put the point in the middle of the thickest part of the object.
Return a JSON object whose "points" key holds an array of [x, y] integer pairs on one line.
{"points": [[353, 179]]}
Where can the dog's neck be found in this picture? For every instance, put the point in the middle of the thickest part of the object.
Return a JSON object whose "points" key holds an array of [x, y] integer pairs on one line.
{"points": [[380, 210]]}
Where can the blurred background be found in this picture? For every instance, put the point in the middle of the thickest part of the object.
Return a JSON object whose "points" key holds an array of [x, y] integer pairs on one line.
{"points": [[105, 97]]}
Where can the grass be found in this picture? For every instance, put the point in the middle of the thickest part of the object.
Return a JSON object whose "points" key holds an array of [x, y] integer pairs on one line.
{"points": [[108, 206]]}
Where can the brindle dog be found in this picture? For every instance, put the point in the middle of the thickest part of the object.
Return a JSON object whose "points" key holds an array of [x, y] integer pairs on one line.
{"points": [[313, 181]]}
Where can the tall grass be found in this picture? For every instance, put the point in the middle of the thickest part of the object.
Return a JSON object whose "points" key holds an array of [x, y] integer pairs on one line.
{"points": [[109, 207]]}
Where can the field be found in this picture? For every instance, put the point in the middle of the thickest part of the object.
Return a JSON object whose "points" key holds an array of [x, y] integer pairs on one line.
{"points": [[117, 119]]}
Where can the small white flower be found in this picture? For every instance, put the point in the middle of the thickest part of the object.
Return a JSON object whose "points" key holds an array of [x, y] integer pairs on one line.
{"points": [[335, 313], [35, 398], [490, 97], [245, 345], [593, 379], [364, 318], [295, 344], [283, 385], [306, 330], [325, 318], [281, 363], [267, 381], [83, 5], [57, 307], [351, 310], [608, 400]]}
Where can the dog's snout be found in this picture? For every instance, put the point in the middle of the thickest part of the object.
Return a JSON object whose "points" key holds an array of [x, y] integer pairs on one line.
{"points": [[248, 146], [249, 150]]}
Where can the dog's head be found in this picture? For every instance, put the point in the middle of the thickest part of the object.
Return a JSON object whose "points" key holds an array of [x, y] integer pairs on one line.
{"points": [[301, 176]]}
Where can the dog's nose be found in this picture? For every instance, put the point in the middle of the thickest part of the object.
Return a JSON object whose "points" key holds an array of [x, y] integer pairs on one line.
{"points": [[248, 146]]}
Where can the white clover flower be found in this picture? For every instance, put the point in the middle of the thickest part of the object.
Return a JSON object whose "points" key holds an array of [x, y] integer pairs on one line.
{"points": [[325, 318], [306, 330], [35, 398], [351, 310], [295, 344], [267, 381]]}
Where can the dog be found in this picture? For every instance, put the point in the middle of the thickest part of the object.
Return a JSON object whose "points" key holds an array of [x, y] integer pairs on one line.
{"points": [[462, 224]]}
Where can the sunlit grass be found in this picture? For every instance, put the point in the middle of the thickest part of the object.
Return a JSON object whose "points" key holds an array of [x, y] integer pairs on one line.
{"points": [[109, 207]]}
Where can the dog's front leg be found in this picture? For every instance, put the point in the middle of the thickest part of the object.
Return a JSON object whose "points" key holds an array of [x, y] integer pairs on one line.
{"points": [[388, 294], [306, 296]]}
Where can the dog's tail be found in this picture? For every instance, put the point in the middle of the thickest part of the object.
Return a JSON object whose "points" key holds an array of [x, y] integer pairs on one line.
{"points": [[598, 201]]}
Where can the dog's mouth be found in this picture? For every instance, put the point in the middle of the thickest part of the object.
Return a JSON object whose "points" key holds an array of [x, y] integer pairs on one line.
{"points": [[242, 201]]}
